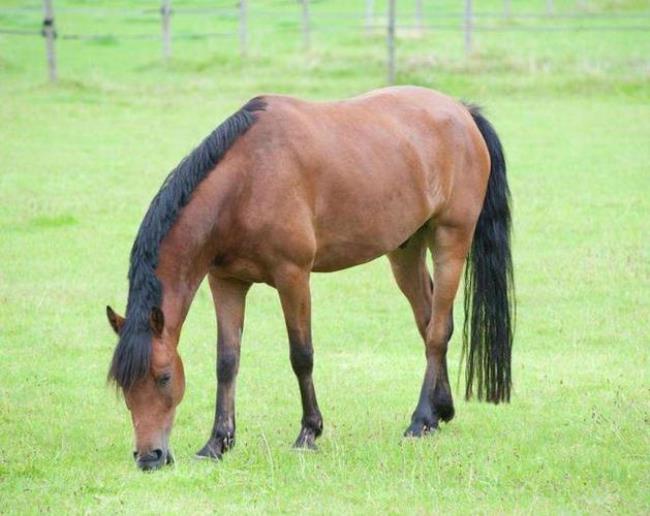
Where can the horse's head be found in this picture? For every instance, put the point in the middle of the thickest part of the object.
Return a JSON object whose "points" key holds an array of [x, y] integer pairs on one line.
{"points": [[148, 368]]}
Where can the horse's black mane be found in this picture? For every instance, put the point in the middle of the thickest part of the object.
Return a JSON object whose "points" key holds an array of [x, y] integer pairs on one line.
{"points": [[132, 354]]}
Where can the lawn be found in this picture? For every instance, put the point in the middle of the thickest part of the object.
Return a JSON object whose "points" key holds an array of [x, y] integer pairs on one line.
{"points": [[80, 161]]}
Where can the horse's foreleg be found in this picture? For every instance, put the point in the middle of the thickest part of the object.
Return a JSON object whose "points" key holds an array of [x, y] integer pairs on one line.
{"points": [[449, 248], [293, 287], [229, 298]]}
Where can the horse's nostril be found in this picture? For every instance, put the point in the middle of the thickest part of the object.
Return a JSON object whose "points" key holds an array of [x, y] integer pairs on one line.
{"points": [[152, 458]]}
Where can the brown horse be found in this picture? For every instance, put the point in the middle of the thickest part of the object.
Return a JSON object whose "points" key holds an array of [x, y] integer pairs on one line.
{"points": [[284, 188]]}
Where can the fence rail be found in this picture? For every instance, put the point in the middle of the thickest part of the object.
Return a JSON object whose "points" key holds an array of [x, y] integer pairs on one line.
{"points": [[468, 20], [358, 14]]}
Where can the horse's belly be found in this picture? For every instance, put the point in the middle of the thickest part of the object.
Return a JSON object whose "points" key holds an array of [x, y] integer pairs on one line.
{"points": [[344, 255], [348, 237]]}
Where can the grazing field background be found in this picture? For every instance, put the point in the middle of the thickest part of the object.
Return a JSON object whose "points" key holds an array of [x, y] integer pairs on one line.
{"points": [[81, 159]]}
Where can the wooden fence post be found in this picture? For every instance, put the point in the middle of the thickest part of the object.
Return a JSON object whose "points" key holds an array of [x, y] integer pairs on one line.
{"points": [[469, 27], [49, 33], [306, 36], [549, 7], [419, 23], [370, 14], [507, 8], [243, 27], [390, 41], [166, 12]]}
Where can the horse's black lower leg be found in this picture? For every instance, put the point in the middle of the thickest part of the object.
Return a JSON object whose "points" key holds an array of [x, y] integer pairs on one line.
{"points": [[443, 402], [293, 286], [424, 418], [229, 299], [222, 437], [435, 402], [302, 362]]}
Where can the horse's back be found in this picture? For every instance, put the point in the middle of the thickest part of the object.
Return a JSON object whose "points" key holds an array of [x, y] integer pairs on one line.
{"points": [[391, 140]]}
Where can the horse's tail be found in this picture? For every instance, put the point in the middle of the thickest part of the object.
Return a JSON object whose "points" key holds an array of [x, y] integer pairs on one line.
{"points": [[489, 285]]}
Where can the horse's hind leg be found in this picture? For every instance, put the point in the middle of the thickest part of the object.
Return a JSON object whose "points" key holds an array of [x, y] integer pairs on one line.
{"points": [[449, 247], [410, 270], [229, 298]]}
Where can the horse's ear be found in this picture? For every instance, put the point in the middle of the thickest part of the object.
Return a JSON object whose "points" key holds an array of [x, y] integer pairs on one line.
{"points": [[116, 321], [157, 321]]}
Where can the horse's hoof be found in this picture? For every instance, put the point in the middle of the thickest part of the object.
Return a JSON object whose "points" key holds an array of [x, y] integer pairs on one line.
{"points": [[212, 450], [207, 454], [306, 440], [304, 446], [421, 428]]}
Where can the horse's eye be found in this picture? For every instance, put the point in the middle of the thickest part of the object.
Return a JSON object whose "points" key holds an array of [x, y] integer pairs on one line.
{"points": [[163, 380]]}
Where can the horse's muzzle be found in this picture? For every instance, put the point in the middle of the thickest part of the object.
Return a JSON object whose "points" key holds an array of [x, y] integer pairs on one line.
{"points": [[153, 460]]}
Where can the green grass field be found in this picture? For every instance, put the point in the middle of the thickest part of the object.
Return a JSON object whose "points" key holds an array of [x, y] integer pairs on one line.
{"points": [[81, 160]]}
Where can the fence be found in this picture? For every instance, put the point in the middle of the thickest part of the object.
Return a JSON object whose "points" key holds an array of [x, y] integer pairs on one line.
{"points": [[368, 19]]}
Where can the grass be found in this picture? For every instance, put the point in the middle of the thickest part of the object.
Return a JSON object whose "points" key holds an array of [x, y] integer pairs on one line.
{"points": [[81, 160]]}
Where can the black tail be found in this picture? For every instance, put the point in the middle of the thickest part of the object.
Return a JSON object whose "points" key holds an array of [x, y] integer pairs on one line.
{"points": [[489, 285]]}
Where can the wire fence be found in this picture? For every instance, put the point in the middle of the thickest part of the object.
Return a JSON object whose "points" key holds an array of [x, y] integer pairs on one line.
{"points": [[468, 21]]}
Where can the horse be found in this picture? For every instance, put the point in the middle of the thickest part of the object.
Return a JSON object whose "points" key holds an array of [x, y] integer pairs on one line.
{"points": [[285, 188]]}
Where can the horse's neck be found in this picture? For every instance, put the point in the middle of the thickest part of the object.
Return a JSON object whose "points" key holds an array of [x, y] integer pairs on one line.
{"points": [[192, 243], [180, 271]]}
